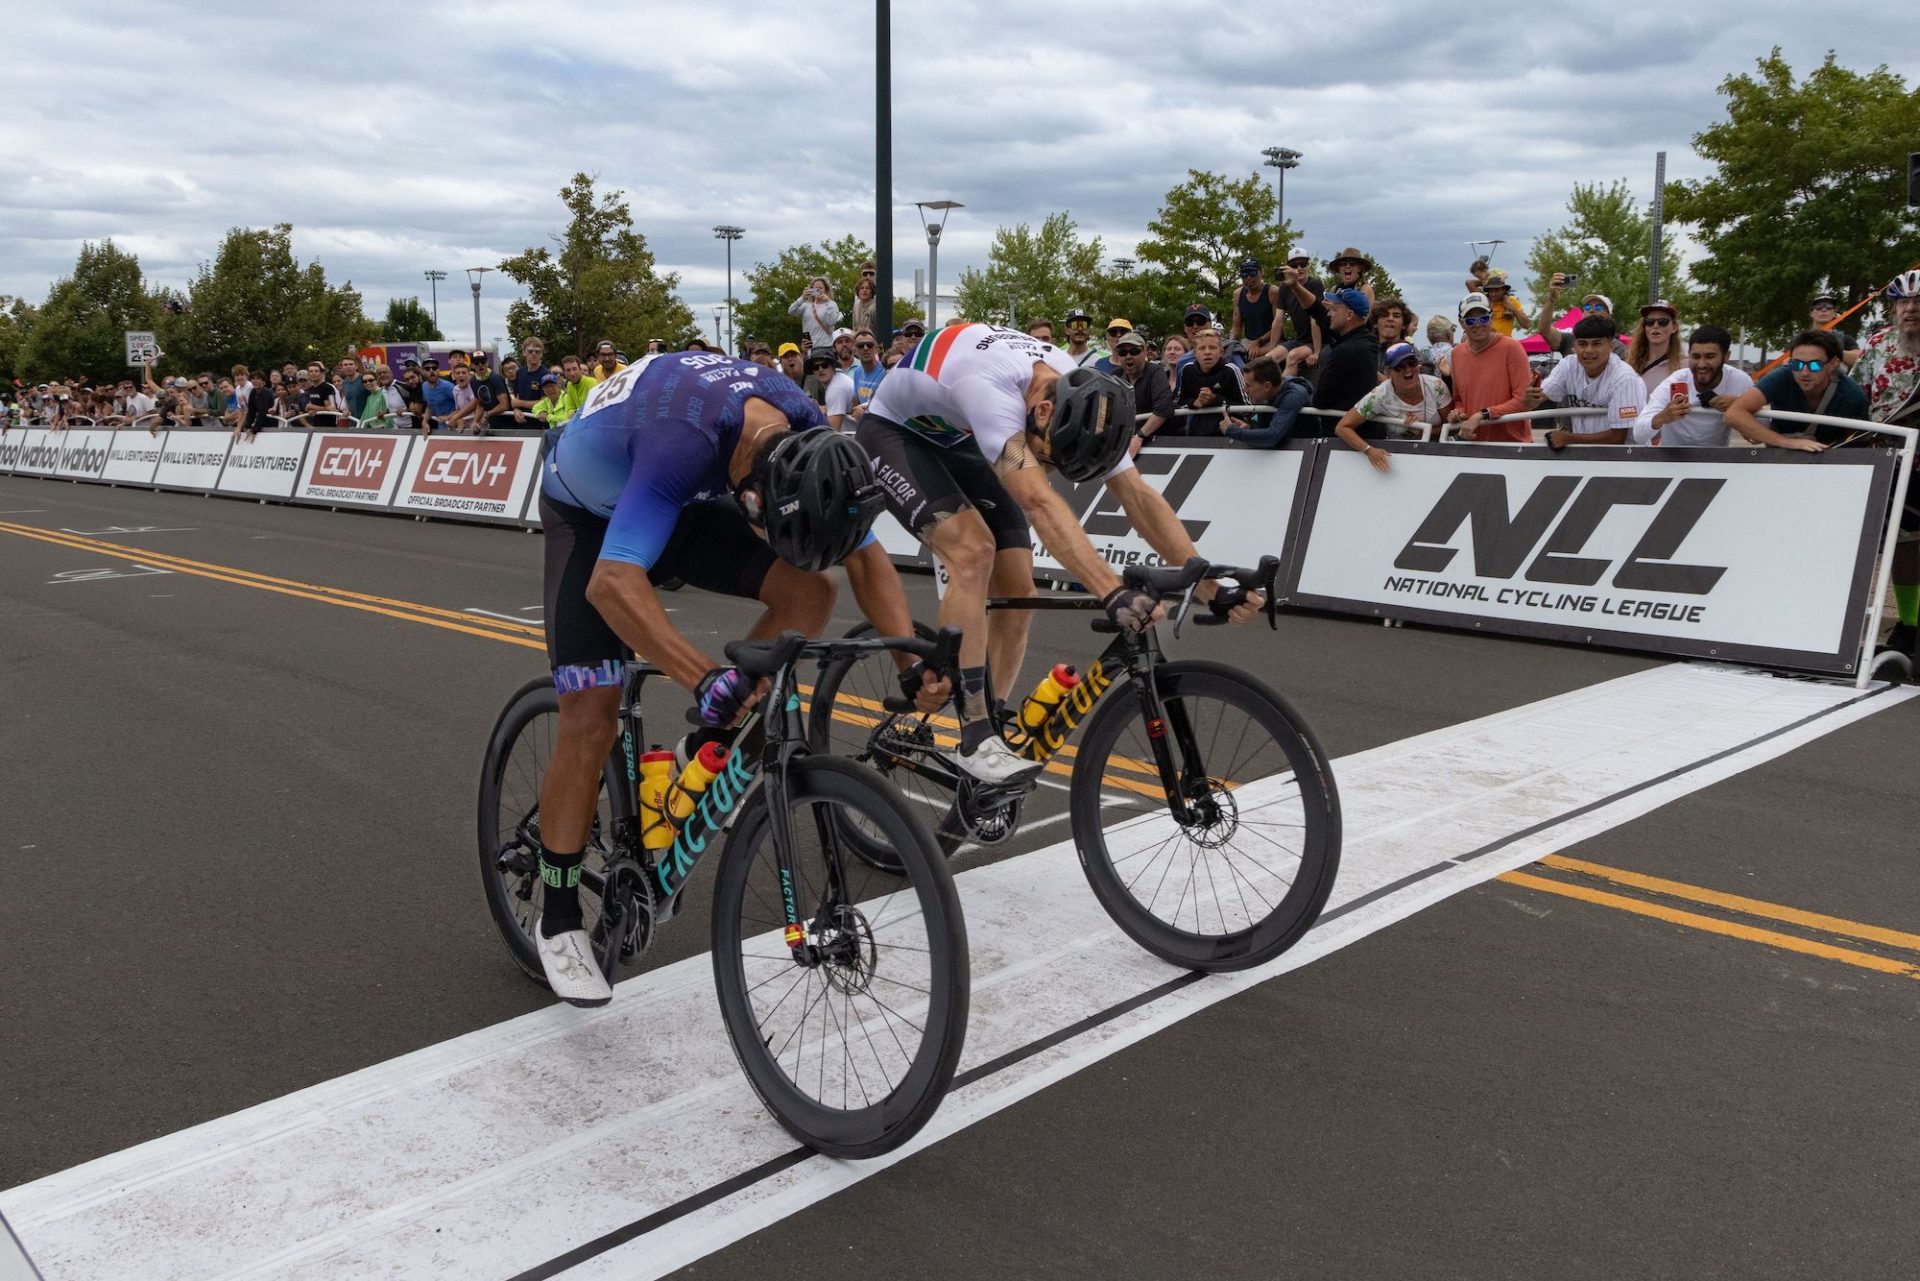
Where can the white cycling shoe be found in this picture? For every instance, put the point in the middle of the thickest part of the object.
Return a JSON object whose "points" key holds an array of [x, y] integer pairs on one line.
{"points": [[572, 972], [993, 764]]}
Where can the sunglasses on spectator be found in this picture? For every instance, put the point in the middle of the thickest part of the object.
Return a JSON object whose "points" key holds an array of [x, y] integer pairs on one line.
{"points": [[1811, 366], [1591, 307], [1661, 321], [859, 346], [1474, 322]]}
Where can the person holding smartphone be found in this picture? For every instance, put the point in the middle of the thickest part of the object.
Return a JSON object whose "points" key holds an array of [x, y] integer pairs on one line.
{"points": [[817, 311]]}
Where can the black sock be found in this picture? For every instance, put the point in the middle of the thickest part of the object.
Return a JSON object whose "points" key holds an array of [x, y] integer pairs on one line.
{"points": [[975, 728], [560, 905]]}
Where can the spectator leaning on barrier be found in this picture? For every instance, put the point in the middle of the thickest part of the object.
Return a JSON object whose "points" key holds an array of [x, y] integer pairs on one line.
{"points": [[1257, 314], [373, 415], [257, 411], [1153, 402], [1208, 381], [436, 393], [1596, 378], [1889, 374], [1507, 313], [395, 397], [817, 311], [551, 408], [1408, 397], [1680, 411], [1490, 379], [1812, 381], [1826, 315], [1349, 363], [1655, 352], [1272, 382]]}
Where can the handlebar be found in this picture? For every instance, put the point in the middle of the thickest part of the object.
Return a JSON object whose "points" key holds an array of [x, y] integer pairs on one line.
{"points": [[1178, 581], [759, 659]]}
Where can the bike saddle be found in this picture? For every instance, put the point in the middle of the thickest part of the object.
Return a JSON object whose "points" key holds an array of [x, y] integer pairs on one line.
{"points": [[763, 658]]}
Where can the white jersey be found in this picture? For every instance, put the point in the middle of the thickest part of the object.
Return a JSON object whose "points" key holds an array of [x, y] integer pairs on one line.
{"points": [[1618, 390], [967, 382], [1701, 426]]}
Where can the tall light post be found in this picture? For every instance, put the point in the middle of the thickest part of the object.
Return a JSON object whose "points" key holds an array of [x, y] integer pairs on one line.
{"points": [[1123, 265], [1282, 159], [941, 208], [433, 280], [729, 234], [716, 326], [473, 277]]}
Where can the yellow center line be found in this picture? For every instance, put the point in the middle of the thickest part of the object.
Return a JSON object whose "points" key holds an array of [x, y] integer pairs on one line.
{"points": [[1714, 925], [170, 561], [1736, 903]]}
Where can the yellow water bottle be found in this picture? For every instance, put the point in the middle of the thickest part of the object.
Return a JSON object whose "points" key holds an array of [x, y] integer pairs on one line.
{"points": [[1047, 695], [656, 773], [693, 782]]}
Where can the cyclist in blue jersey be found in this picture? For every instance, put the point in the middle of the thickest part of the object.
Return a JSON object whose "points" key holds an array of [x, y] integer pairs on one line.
{"points": [[716, 471]]}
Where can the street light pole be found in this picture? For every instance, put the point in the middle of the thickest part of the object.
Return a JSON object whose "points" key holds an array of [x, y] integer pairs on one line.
{"points": [[883, 167], [716, 328], [433, 280], [942, 208], [1281, 159], [729, 233], [473, 275]]}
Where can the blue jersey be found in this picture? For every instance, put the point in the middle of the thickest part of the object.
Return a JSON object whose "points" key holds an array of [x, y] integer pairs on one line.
{"points": [[657, 436]]}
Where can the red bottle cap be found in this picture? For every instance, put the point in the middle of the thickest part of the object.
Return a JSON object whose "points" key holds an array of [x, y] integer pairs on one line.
{"points": [[712, 757], [1065, 675], [657, 754]]}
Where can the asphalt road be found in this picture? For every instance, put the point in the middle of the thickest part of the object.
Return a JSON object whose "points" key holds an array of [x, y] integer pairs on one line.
{"points": [[239, 861]]}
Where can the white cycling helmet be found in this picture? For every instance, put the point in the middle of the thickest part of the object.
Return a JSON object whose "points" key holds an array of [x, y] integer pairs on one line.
{"points": [[1905, 285]]}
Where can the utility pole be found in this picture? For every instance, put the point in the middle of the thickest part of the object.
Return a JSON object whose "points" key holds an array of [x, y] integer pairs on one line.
{"points": [[883, 168], [473, 276], [943, 208], [433, 280], [729, 234], [1659, 221], [1281, 159]]}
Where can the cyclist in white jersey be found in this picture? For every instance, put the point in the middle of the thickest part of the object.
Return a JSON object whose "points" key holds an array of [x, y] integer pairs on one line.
{"points": [[962, 433]]}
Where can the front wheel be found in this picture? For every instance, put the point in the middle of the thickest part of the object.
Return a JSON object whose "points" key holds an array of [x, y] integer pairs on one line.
{"points": [[1243, 873], [851, 1030]]}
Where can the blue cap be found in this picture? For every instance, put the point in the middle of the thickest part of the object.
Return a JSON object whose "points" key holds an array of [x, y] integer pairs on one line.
{"points": [[1351, 299], [1399, 352], [549, 377]]}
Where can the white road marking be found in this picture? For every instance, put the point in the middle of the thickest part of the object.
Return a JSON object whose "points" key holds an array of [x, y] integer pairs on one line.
{"points": [[500, 1150], [535, 610], [133, 529], [101, 575]]}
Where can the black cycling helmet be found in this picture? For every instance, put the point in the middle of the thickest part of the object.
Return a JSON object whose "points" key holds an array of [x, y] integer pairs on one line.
{"points": [[817, 499], [1092, 424]]}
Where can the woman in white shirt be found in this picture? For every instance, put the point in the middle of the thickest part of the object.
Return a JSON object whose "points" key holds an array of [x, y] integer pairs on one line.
{"points": [[1408, 396], [817, 311]]}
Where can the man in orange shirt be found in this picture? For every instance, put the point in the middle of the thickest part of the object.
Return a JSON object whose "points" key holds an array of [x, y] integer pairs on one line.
{"points": [[1490, 379]]}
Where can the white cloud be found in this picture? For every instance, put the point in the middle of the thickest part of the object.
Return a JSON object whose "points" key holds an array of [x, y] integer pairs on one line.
{"points": [[437, 134]]}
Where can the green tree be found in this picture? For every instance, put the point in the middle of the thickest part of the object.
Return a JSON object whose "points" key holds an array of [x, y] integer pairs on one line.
{"points": [[1807, 190], [17, 316], [408, 321], [1037, 273], [256, 305], [1607, 242], [1149, 297], [1207, 226], [81, 328], [600, 282], [772, 286]]}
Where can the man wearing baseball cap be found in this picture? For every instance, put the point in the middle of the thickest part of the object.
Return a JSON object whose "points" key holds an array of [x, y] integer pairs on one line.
{"points": [[1558, 339], [790, 361], [1256, 311], [1490, 379], [1300, 297], [1826, 315], [1349, 362], [1080, 345], [1117, 328]]}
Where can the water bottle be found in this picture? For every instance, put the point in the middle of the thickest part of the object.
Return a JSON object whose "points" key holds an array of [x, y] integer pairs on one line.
{"points": [[693, 782], [1047, 695], [656, 774]]}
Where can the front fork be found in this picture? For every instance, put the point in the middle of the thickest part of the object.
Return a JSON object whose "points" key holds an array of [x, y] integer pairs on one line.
{"points": [[1162, 722], [781, 750]]}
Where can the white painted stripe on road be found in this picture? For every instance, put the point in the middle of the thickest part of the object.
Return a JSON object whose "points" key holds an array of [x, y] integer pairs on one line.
{"points": [[501, 1150]]}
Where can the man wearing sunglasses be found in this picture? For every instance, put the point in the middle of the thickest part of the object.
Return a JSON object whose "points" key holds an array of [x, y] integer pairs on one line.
{"points": [[1490, 379], [1810, 382], [1557, 339], [1825, 315], [865, 372]]}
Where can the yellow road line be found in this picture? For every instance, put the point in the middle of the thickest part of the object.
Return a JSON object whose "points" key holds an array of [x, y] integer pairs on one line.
{"points": [[1714, 925], [1734, 902], [139, 557], [168, 560]]}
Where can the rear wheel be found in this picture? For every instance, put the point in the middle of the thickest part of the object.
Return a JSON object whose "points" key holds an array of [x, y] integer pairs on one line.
{"points": [[848, 718], [850, 1034], [518, 754], [1245, 874]]}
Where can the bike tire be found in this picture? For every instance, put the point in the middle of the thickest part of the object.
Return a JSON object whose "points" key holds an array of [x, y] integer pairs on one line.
{"points": [[842, 720], [918, 912], [529, 721], [1130, 860]]}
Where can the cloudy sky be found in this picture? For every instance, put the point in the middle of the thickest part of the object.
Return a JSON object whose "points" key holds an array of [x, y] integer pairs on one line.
{"points": [[431, 135]]}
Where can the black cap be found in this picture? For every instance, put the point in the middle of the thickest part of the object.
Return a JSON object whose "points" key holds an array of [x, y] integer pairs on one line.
{"points": [[1199, 313], [1077, 314], [821, 356]]}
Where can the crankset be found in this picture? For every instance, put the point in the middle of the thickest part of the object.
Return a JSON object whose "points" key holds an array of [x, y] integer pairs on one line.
{"points": [[987, 815], [626, 915]]}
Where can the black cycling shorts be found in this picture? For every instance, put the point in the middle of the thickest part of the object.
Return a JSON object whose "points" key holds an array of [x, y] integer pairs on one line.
{"points": [[712, 547], [925, 483]]}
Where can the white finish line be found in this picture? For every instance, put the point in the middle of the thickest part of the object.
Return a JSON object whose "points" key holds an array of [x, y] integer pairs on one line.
{"points": [[624, 1142]]}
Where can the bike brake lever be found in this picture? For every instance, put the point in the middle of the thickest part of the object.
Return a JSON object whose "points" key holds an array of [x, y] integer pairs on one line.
{"points": [[1186, 604]]}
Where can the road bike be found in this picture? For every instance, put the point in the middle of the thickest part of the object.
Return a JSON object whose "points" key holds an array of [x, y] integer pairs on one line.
{"points": [[1203, 809], [843, 984]]}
